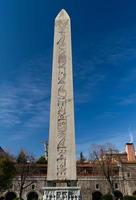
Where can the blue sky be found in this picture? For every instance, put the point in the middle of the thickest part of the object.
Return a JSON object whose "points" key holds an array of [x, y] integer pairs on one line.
{"points": [[104, 65]]}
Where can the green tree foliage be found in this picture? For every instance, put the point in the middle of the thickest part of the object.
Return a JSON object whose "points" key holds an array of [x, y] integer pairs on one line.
{"points": [[128, 197], [42, 160], [107, 197], [7, 172]]}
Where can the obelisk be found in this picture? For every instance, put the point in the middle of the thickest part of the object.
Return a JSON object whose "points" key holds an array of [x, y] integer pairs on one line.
{"points": [[61, 149], [61, 174]]}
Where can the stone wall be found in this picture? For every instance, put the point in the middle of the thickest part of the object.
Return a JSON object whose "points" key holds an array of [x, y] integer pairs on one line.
{"points": [[89, 186]]}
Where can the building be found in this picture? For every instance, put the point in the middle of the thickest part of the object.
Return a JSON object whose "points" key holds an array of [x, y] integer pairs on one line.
{"points": [[93, 184]]}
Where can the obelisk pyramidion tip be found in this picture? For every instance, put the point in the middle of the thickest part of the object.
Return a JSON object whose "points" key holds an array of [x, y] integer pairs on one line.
{"points": [[63, 15]]}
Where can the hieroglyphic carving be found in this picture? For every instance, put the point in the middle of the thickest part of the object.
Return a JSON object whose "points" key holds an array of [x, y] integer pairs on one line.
{"points": [[54, 193], [61, 104]]}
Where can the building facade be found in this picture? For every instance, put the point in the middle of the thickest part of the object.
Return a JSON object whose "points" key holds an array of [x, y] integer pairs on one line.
{"points": [[93, 184]]}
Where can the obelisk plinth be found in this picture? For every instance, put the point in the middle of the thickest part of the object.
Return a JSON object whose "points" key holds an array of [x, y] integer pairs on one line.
{"points": [[61, 149]]}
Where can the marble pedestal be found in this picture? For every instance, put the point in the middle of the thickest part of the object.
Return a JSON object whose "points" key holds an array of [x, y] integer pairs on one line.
{"points": [[61, 193]]}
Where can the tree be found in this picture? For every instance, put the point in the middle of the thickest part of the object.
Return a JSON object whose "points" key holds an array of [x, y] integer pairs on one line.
{"points": [[7, 171], [106, 159], [107, 197], [22, 157], [42, 160], [129, 197], [25, 170], [82, 157]]}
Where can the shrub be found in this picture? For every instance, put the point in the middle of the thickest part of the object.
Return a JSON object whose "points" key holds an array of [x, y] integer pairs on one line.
{"points": [[129, 197], [107, 197]]}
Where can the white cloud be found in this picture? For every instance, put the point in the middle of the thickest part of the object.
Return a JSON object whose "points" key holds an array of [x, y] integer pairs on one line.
{"points": [[24, 100], [127, 100], [86, 79]]}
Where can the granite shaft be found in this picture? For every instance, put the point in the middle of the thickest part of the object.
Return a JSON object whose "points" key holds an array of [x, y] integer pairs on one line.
{"points": [[61, 149]]}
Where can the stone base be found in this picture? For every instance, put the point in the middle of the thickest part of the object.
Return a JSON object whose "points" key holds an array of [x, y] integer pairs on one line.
{"points": [[61, 193]]}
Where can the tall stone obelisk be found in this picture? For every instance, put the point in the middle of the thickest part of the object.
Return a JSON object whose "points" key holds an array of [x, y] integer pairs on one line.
{"points": [[61, 174], [61, 149]]}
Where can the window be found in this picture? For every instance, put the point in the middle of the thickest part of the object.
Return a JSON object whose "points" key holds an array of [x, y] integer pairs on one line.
{"points": [[116, 185], [128, 174], [33, 187], [97, 186]]}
